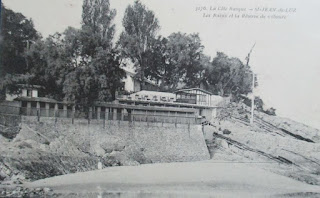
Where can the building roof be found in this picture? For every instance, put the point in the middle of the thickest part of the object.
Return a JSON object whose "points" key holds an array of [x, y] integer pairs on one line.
{"points": [[191, 89], [40, 99], [166, 103], [131, 73], [154, 93], [185, 92], [29, 86], [146, 108]]}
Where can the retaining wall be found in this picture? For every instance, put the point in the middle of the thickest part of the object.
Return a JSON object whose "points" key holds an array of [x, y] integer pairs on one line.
{"points": [[159, 142]]}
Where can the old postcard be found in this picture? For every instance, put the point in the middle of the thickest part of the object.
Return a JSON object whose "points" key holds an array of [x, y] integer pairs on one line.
{"points": [[159, 98]]}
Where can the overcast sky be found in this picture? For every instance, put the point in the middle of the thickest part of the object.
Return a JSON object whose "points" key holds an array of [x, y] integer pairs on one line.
{"points": [[286, 55]]}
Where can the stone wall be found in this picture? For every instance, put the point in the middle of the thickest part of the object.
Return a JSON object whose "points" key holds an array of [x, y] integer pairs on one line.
{"points": [[158, 142]]}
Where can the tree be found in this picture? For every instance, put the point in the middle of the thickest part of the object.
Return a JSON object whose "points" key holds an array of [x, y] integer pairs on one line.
{"points": [[17, 33], [50, 60], [176, 61], [79, 65], [140, 28], [226, 76], [95, 71], [185, 59], [97, 28]]}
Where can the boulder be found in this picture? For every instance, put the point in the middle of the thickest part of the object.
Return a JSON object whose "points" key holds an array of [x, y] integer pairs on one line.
{"points": [[226, 131]]}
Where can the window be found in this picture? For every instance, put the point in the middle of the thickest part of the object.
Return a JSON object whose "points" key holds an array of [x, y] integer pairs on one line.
{"points": [[24, 104], [122, 86], [42, 105], [203, 98], [29, 93]]}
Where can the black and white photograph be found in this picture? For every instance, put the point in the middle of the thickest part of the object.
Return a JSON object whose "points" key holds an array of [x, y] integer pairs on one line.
{"points": [[160, 98]]}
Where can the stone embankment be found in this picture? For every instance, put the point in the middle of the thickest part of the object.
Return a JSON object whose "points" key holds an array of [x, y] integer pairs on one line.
{"points": [[51, 147]]}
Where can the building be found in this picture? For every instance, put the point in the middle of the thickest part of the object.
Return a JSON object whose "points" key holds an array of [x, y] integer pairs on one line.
{"points": [[203, 103], [132, 84], [198, 96], [30, 91], [184, 106]]}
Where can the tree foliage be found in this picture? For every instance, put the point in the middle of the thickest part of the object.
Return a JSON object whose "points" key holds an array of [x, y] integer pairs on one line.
{"points": [[79, 65], [140, 28], [83, 66], [225, 76], [185, 55], [176, 61], [17, 32], [97, 26], [96, 71]]}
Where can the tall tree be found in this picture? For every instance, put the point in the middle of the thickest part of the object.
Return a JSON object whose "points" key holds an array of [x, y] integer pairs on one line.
{"points": [[50, 60], [186, 59], [80, 65], [225, 76], [17, 33], [177, 61], [140, 28], [95, 64], [97, 26]]}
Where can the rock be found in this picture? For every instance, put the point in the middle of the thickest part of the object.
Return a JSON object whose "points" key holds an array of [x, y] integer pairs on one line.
{"points": [[224, 144], [38, 189], [23, 145], [18, 182], [99, 165], [113, 144], [226, 131], [47, 190], [9, 132]]}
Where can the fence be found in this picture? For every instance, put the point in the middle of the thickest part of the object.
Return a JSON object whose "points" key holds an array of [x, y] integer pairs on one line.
{"points": [[102, 115]]}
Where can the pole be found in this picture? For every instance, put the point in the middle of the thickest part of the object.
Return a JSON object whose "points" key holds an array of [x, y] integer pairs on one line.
{"points": [[252, 100], [253, 80]]}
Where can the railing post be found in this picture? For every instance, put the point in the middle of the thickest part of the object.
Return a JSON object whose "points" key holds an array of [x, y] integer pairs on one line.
{"points": [[47, 109], [114, 114], [104, 119], [65, 110], [107, 114], [73, 113], [122, 114], [38, 111], [132, 115], [55, 112], [176, 119], [29, 108], [98, 113], [90, 113], [38, 114]]}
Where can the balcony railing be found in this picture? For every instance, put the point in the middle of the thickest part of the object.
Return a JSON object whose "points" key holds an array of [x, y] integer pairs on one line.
{"points": [[101, 115]]}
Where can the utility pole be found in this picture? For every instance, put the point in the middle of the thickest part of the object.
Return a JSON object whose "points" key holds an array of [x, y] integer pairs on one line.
{"points": [[252, 99], [253, 82]]}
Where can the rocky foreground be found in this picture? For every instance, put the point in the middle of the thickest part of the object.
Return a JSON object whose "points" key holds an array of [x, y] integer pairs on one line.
{"points": [[275, 144], [278, 146], [22, 191], [184, 179]]}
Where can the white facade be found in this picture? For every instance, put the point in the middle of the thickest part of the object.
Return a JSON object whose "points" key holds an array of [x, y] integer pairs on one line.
{"points": [[203, 97], [154, 95], [30, 92], [130, 84]]}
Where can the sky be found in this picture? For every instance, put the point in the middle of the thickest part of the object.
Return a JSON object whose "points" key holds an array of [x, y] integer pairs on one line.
{"points": [[285, 57]]}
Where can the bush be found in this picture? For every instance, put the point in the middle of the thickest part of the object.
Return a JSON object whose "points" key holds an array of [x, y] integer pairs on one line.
{"points": [[271, 111]]}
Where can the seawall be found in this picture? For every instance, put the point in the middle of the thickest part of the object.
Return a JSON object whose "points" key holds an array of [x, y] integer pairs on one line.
{"points": [[159, 142]]}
